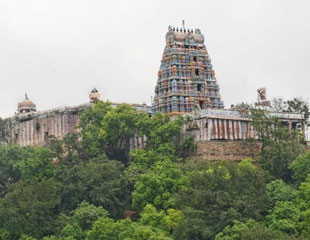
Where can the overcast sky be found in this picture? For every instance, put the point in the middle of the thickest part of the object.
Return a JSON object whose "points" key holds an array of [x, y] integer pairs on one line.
{"points": [[58, 50]]}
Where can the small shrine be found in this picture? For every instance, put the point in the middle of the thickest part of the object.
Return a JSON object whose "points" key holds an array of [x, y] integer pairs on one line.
{"points": [[26, 106], [94, 95]]}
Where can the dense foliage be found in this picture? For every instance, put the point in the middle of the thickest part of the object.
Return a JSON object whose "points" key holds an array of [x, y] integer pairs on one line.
{"points": [[3, 132], [93, 185]]}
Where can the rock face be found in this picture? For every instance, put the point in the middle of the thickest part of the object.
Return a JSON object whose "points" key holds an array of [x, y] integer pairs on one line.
{"points": [[186, 78], [227, 150]]}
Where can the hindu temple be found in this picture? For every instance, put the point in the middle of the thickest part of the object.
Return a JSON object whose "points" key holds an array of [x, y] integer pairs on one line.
{"points": [[186, 78], [186, 85]]}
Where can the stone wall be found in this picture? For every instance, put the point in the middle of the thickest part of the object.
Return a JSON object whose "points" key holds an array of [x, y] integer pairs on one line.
{"points": [[33, 128], [227, 150]]}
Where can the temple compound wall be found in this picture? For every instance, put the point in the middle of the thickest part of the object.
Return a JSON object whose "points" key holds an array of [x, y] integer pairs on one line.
{"points": [[33, 128], [227, 124], [220, 134], [224, 134]]}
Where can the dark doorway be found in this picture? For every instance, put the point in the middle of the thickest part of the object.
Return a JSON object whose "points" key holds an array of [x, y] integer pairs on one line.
{"points": [[201, 104]]}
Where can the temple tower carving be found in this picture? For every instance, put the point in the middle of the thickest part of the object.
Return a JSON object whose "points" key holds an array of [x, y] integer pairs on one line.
{"points": [[186, 79]]}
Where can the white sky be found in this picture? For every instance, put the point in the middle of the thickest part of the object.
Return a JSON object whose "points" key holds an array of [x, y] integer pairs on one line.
{"points": [[58, 50]]}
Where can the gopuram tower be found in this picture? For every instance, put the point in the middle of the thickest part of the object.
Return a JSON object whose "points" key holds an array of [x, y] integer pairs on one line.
{"points": [[186, 79]]}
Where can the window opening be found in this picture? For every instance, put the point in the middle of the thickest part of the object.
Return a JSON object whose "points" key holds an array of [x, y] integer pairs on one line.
{"points": [[199, 87]]}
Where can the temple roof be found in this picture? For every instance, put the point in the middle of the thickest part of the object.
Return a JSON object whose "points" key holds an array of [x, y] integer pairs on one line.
{"points": [[94, 95], [26, 105]]}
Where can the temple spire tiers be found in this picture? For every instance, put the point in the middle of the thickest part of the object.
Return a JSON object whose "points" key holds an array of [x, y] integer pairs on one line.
{"points": [[186, 77], [26, 106]]}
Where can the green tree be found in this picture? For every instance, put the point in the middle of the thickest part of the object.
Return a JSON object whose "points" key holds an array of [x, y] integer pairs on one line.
{"points": [[303, 202], [9, 155], [98, 181], [279, 191], [90, 123], [52, 237], [124, 229], [26, 237], [292, 216], [164, 142], [163, 130], [301, 168], [107, 228], [107, 130], [153, 224], [264, 126], [295, 105], [5, 234], [142, 160], [3, 131], [158, 186], [298, 105], [30, 207], [80, 220], [67, 151], [86, 214], [279, 146], [118, 127], [250, 230], [35, 163], [219, 194], [24, 162], [165, 220], [285, 217]]}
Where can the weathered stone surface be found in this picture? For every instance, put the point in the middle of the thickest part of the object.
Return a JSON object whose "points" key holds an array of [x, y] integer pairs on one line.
{"points": [[32, 128], [227, 150]]}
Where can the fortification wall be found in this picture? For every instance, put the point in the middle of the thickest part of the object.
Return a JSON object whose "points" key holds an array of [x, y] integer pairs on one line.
{"points": [[227, 150]]}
